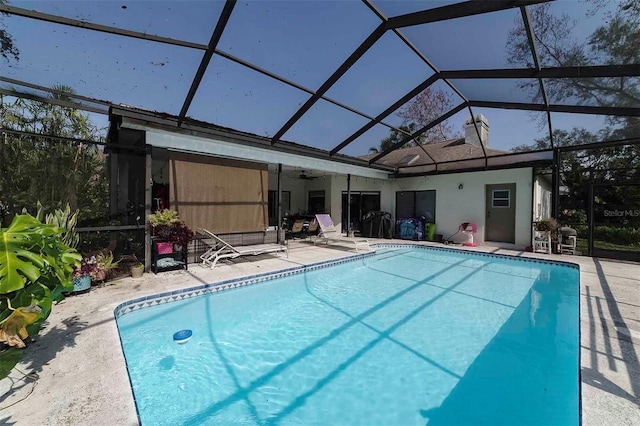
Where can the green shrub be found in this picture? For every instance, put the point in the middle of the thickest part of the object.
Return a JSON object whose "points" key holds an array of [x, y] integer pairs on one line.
{"points": [[164, 217], [35, 269], [618, 235], [625, 236], [62, 219], [582, 230], [66, 220]]}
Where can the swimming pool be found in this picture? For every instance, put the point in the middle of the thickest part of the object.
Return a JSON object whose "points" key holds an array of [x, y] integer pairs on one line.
{"points": [[410, 335]]}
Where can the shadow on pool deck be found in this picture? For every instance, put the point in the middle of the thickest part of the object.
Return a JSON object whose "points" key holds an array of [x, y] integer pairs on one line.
{"points": [[593, 376], [46, 346]]}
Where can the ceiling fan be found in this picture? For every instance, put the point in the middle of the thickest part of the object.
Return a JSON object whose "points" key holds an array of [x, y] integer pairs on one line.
{"points": [[303, 176]]}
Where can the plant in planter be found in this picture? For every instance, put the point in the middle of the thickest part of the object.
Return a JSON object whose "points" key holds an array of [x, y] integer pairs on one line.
{"points": [[163, 218], [89, 271], [167, 225], [106, 264], [35, 270], [177, 233], [547, 225], [137, 270]]}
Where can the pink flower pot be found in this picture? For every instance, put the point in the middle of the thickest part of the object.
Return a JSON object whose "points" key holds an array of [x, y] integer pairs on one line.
{"points": [[165, 248]]}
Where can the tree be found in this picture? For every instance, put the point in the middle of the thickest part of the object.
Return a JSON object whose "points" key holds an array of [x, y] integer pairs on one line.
{"points": [[616, 41], [429, 105], [582, 167], [396, 136], [426, 107], [619, 163], [577, 136], [7, 48], [48, 170]]}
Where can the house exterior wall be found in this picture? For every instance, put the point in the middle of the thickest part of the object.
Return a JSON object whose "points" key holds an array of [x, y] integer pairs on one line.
{"points": [[339, 184], [453, 206], [295, 186], [322, 183], [542, 190]]}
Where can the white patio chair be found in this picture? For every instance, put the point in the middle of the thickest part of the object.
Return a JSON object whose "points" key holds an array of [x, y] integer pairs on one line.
{"points": [[329, 233], [220, 249], [568, 240], [542, 242]]}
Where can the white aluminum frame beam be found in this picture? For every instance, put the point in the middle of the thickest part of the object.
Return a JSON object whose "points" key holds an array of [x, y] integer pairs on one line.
{"points": [[212, 146]]}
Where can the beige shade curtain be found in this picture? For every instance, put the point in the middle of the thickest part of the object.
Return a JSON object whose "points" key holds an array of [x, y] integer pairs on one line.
{"points": [[219, 194]]}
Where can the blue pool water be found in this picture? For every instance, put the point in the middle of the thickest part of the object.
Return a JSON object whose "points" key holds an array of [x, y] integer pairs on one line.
{"points": [[409, 336]]}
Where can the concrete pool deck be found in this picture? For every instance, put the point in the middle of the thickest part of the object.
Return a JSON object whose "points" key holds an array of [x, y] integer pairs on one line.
{"points": [[75, 374]]}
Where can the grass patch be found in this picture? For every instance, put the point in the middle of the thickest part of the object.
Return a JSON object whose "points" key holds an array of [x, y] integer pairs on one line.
{"points": [[582, 245]]}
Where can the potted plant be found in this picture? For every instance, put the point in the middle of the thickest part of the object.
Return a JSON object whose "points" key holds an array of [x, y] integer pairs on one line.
{"points": [[137, 270], [167, 225], [547, 225], [87, 272], [178, 233], [163, 219], [106, 264]]}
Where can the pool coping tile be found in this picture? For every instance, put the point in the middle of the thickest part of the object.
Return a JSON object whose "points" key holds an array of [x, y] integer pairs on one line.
{"points": [[187, 293]]}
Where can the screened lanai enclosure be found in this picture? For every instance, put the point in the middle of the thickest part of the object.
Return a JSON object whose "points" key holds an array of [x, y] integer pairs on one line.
{"points": [[99, 98]]}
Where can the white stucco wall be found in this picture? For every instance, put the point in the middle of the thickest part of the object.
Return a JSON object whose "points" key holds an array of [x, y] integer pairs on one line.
{"points": [[300, 190], [542, 197], [453, 206], [339, 184], [322, 183], [295, 186]]}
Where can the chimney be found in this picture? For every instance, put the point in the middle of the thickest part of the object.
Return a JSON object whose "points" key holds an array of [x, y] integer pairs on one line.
{"points": [[470, 133]]}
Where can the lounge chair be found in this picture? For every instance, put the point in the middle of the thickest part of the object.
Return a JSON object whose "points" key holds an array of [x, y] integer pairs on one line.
{"points": [[220, 249], [296, 229], [313, 228], [329, 233]]}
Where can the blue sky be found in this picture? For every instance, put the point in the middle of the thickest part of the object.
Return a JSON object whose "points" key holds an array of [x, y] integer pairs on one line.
{"points": [[304, 41]]}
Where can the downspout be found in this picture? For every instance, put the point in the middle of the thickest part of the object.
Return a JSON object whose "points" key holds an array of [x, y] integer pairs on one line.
{"points": [[147, 209], [533, 205], [590, 213], [555, 196], [279, 215]]}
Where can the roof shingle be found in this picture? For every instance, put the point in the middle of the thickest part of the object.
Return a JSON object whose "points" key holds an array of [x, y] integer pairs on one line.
{"points": [[449, 150]]}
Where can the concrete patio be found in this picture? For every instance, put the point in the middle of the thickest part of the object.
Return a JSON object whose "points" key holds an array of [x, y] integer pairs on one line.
{"points": [[75, 373]]}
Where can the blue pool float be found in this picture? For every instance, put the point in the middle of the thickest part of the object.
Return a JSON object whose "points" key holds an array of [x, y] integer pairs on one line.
{"points": [[182, 336]]}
